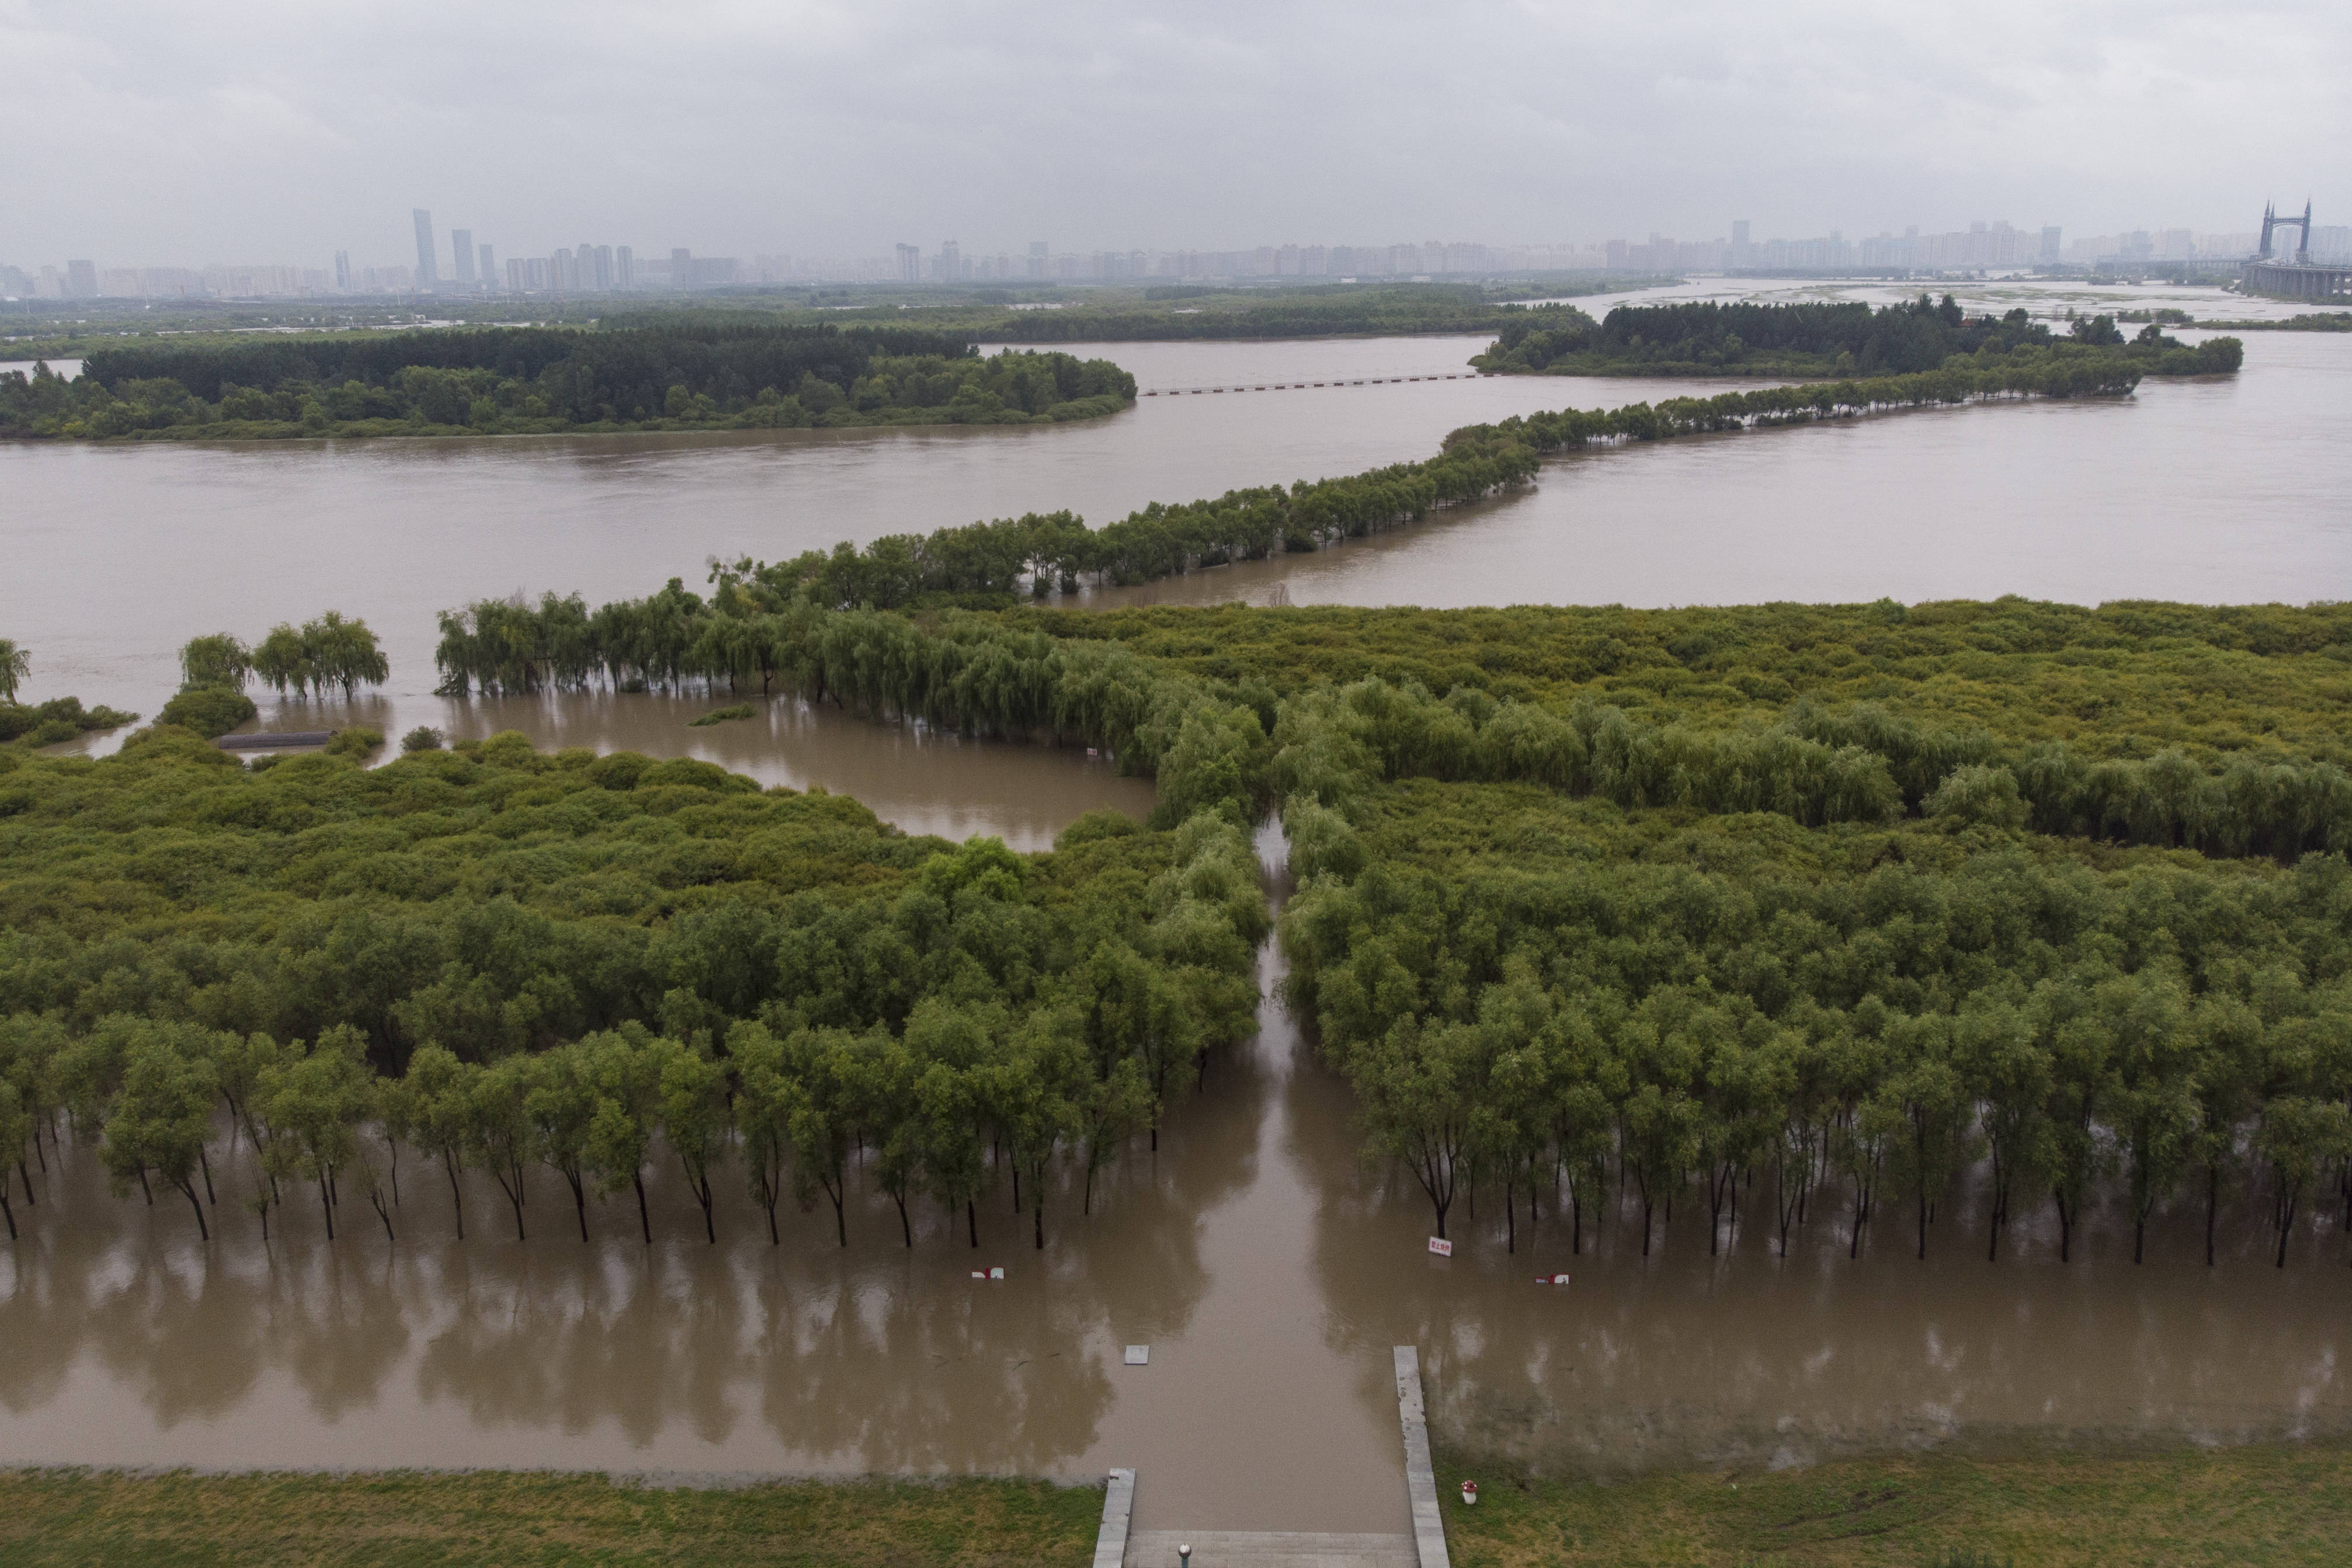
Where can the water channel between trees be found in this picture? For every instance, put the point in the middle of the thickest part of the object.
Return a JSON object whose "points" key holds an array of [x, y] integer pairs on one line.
{"points": [[1266, 1266], [1269, 1269]]}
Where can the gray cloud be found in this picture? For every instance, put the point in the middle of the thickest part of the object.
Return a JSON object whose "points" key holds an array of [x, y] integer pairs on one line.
{"points": [[248, 129]]}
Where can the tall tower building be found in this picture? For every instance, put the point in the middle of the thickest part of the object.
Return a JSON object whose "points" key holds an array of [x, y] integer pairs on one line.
{"points": [[486, 271], [1037, 258], [81, 279], [343, 272], [461, 242], [910, 264], [428, 275], [624, 268], [2050, 236]]}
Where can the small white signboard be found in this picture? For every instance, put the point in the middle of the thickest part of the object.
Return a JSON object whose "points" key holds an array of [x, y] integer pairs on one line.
{"points": [[996, 1273], [1139, 1355], [1441, 1247]]}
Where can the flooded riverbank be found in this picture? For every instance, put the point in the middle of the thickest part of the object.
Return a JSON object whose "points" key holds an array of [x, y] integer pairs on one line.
{"points": [[1268, 1267]]}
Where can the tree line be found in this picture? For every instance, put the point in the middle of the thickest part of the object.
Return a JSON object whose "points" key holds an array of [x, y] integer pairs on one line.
{"points": [[1702, 1010], [569, 964], [1711, 338], [673, 373], [674, 635]]}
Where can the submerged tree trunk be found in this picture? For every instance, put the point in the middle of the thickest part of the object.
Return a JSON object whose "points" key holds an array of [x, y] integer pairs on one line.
{"points": [[203, 1232], [208, 1165], [326, 1208], [971, 1219], [457, 1193], [645, 1218]]}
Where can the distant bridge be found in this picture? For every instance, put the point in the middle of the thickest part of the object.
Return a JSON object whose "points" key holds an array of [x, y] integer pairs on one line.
{"points": [[2301, 278], [1300, 386]]}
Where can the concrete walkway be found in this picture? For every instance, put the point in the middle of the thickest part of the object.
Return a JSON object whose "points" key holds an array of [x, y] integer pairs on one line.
{"points": [[1265, 1549], [1118, 1546]]}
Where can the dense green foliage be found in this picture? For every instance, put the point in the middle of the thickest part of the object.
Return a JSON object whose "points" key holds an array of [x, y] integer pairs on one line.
{"points": [[520, 960], [58, 720], [1707, 338], [2126, 680], [1523, 987], [208, 711], [684, 374]]}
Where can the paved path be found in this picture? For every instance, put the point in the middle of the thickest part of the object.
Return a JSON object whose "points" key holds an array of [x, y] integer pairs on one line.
{"points": [[1119, 1546], [1261, 1549]]}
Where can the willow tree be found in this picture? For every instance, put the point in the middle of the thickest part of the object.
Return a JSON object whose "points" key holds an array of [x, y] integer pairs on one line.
{"points": [[217, 660], [316, 1100], [159, 1121], [15, 665]]}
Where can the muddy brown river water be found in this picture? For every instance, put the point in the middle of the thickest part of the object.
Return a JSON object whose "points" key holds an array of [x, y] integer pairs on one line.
{"points": [[1269, 1269]]}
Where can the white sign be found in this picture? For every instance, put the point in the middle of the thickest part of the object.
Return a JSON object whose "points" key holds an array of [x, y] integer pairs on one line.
{"points": [[1441, 1247], [1139, 1355], [996, 1273]]}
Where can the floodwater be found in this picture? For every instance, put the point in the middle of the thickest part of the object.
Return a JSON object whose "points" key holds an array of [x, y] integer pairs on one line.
{"points": [[1266, 1267], [919, 778], [2229, 490]]}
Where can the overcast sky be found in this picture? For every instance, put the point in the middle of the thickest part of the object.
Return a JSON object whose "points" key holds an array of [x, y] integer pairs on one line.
{"points": [[140, 132]]}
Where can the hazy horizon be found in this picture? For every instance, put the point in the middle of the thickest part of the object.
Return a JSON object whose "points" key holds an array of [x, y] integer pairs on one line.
{"points": [[146, 134]]}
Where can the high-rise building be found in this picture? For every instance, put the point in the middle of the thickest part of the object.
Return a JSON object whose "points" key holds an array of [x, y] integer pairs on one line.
{"points": [[2050, 236], [624, 268], [343, 272], [487, 270], [950, 265], [562, 273], [1037, 258], [461, 242], [81, 279], [428, 274], [910, 264]]}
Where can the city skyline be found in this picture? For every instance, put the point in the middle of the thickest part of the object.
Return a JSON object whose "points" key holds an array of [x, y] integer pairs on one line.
{"points": [[460, 265]]}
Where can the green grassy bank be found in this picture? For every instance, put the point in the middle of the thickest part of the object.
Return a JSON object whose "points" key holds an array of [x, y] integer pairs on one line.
{"points": [[516, 1518], [2290, 1504]]}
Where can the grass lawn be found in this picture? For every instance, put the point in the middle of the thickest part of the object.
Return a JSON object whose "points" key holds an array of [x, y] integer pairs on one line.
{"points": [[526, 1517], [2253, 1505]]}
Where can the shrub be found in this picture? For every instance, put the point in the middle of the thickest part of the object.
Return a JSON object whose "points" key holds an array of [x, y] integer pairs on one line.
{"points": [[210, 711], [356, 741], [424, 737]]}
